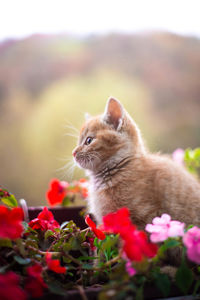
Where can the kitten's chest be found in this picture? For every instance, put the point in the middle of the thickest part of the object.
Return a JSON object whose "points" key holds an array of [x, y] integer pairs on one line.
{"points": [[105, 200], [128, 193]]}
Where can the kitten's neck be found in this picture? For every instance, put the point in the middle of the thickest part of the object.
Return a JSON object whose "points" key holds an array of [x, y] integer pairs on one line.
{"points": [[108, 173]]}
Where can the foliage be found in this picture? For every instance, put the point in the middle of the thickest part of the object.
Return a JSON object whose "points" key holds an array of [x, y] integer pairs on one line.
{"points": [[45, 257], [192, 160], [189, 158]]}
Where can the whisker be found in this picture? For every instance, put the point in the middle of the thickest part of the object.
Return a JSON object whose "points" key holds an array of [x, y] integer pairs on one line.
{"points": [[68, 165], [67, 170], [71, 134], [70, 172], [70, 126], [68, 158]]}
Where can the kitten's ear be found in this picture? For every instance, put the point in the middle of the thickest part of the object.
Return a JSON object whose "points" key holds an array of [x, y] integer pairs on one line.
{"points": [[114, 113]]}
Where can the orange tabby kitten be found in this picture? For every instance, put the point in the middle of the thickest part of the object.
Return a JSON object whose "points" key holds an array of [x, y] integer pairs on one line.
{"points": [[123, 173]]}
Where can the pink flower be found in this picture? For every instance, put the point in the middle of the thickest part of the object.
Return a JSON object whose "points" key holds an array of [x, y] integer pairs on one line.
{"points": [[191, 240], [129, 269], [163, 228], [178, 156]]}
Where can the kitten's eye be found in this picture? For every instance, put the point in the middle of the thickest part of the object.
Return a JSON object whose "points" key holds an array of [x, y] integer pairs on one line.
{"points": [[88, 140]]}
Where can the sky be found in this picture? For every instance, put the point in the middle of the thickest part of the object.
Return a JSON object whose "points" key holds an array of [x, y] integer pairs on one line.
{"points": [[20, 18]]}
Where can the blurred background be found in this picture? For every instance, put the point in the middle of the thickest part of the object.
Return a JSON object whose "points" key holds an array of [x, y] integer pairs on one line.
{"points": [[60, 59]]}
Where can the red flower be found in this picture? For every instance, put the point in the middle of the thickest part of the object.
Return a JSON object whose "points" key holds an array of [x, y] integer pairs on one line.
{"points": [[99, 234], [83, 183], [44, 221], [82, 180], [136, 245], [84, 192], [35, 283], [9, 287], [11, 222], [118, 222], [57, 192], [54, 264]]}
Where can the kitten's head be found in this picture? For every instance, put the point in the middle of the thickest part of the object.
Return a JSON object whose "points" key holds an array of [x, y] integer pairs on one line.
{"points": [[106, 139]]}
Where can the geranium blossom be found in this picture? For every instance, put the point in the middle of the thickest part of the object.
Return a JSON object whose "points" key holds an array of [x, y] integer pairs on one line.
{"points": [[135, 242], [99, 234], [191, 240], [9, 287], [163, 227], [11, 222], [137, 247], [79, 187], [44, 221], [57, 192], [118, 222], [54, 264], [35, 283], [84, 187]]}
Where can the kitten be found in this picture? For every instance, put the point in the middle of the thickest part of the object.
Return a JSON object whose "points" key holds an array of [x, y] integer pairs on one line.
{"points": [[123, 173]]}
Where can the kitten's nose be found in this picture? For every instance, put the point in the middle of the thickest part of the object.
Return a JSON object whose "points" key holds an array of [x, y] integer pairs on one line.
{"points": [[74, 153]]}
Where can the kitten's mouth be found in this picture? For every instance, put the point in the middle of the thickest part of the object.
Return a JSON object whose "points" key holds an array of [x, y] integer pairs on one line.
{"points": [[85, 162], [81, 162]]}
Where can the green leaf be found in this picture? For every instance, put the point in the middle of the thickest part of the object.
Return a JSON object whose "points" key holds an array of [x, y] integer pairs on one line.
{"points": [[196, 288], [139, 293], [184, 278], [66, 260], [6, 243], [25, 225], [197, 154], [64, 224], [67, 246], [22, 261], [4, 268], [56, 288], [87, 257], [71, 244], [10, 201], [56, 247], [170, 243], [66, 201], [21, 247], [48, 233], [96, 242], [87, 266], [163, 283]]}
